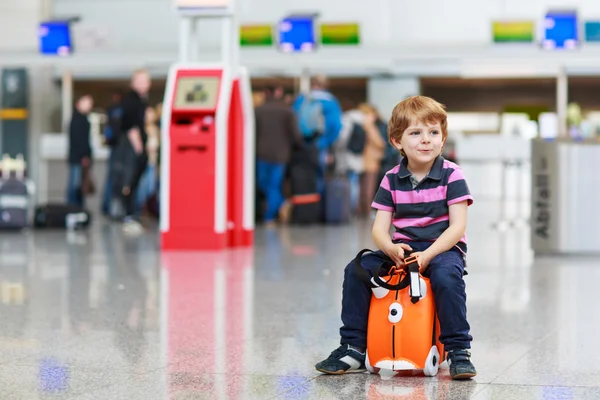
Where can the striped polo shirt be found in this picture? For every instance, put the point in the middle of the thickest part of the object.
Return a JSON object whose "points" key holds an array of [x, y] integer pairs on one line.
{"points": [[421, 211]]}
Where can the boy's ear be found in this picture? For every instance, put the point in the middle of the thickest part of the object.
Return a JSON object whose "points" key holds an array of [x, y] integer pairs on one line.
{"points": [[396, 144]]}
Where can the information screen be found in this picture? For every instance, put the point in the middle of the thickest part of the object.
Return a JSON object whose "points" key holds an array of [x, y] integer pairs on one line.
{"points": [[561, 30], [297, 34], [197, 92], [592, 31], [55, 38]]}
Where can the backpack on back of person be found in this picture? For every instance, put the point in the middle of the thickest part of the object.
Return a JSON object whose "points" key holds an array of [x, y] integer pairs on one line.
{"points": [[311, 118], [113, 126], [357, 139]]}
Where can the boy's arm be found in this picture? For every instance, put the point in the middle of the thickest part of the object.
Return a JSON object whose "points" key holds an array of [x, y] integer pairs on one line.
{"points": [[384, 204], [381, 230]]}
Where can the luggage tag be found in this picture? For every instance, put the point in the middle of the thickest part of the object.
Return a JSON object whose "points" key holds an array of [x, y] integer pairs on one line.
{"points": [[412, 265]]}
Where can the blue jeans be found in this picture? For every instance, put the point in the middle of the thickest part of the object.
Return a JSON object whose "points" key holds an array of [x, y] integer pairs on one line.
{"points": [[74, 196], [108, 185], [446, 276], [270, 179], [147, 186]]}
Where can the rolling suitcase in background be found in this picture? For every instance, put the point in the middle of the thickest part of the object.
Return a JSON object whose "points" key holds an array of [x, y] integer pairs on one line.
{"points": [[403, 328], [61, 216], [306, 201], [337, 201], [14, 204]]}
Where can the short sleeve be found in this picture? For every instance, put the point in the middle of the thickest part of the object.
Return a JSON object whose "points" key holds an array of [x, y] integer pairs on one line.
{"points": [[458, 190], [383, 198]]}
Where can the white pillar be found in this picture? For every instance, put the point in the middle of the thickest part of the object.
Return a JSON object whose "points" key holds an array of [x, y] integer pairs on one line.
{"points": [[184, 39], [194, 40], [66, 98], [235, 39], [305, 81], [227, 52], [385, 92], [562, 100]]}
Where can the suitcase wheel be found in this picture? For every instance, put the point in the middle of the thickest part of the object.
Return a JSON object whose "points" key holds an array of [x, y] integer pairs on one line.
{"points": [[370, 368], [432, 364]]}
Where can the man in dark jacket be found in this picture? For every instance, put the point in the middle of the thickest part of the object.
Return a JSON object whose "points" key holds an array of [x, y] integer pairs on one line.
{"points": [[80, 151], [130, 155], [276, 135], [111, 131]]}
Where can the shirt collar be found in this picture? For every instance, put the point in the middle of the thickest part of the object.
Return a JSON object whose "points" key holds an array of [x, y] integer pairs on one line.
{"points": [[435, 172]]}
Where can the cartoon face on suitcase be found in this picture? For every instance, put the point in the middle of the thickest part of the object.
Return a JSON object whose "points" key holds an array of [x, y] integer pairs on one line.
{"points": [[403, 328]]}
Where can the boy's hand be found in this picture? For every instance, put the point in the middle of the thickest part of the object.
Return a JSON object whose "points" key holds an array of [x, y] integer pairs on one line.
{"points": [[396, 253], [423, 258]]}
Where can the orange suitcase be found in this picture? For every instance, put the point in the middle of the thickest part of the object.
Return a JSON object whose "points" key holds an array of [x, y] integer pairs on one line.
{"points": [[403, 328]]}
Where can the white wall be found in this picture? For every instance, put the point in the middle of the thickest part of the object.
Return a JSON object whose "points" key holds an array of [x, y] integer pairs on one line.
{"points": [[18, 24], [436, 22], [384, 93]]}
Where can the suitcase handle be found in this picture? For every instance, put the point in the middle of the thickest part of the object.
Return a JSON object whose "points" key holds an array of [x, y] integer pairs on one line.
{"points": [[387, 266]]}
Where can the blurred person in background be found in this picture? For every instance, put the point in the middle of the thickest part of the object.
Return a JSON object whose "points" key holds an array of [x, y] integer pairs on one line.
{"points": [[132, 157], [348, 160], [147, 186], [276, 135], [373, 155], [111, 132], [80, 151], [359, 153], [320, 119]]}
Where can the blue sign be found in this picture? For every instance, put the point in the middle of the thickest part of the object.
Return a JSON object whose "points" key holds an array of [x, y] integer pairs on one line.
{"points": [[560, 30], [55, 38], [297, 34], [592, 31]]}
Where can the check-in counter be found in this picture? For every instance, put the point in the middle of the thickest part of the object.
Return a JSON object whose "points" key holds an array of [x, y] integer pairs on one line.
{"points": [[565, 207]]}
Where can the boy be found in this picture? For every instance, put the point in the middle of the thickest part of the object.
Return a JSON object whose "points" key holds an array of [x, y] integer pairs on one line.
{"points": [[426, 198]]}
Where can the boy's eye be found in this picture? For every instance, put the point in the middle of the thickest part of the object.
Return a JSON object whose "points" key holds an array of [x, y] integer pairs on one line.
{"points": [[434, 132], [415, 133]]}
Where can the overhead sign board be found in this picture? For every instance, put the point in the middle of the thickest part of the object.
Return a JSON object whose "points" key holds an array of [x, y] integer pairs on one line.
{"points": [[204, 7]]}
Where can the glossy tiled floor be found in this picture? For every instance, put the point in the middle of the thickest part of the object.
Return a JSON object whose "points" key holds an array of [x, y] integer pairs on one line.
{"points": [[96, 315]]}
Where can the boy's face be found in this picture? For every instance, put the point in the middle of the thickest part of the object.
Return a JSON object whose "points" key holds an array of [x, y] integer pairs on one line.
{"points": [[422, 142]]}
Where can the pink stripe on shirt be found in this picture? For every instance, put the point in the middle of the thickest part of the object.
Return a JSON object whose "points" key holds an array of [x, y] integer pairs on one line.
{"points": [[456, 175], [421, 196], [385, 183], [467, 197], [418, 222]]}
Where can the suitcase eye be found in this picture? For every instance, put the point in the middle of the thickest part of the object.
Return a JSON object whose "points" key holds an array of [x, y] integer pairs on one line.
{"points": [[395, 314]]}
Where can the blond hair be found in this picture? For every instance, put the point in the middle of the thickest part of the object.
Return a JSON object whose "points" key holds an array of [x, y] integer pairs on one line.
{"points": [[421, 108]]}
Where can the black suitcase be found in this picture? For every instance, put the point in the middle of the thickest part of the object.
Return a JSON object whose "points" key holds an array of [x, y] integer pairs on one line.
{"points": [[61, 216], [14, 204], [306, 201]]}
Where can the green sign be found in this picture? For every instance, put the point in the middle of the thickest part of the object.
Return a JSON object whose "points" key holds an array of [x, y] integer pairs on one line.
{"points": [[340, 34], [256, 35], [513, 31]]}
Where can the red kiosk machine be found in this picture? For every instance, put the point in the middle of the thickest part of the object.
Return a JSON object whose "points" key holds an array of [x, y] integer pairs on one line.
{"points": [[207, 159]]}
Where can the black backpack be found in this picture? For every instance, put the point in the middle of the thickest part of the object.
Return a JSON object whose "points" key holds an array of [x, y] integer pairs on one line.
{"points": [[357, 140]]}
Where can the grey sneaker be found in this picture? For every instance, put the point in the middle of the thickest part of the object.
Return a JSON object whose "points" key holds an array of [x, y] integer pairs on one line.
{"points": [[342, 360], [461, 367]]}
